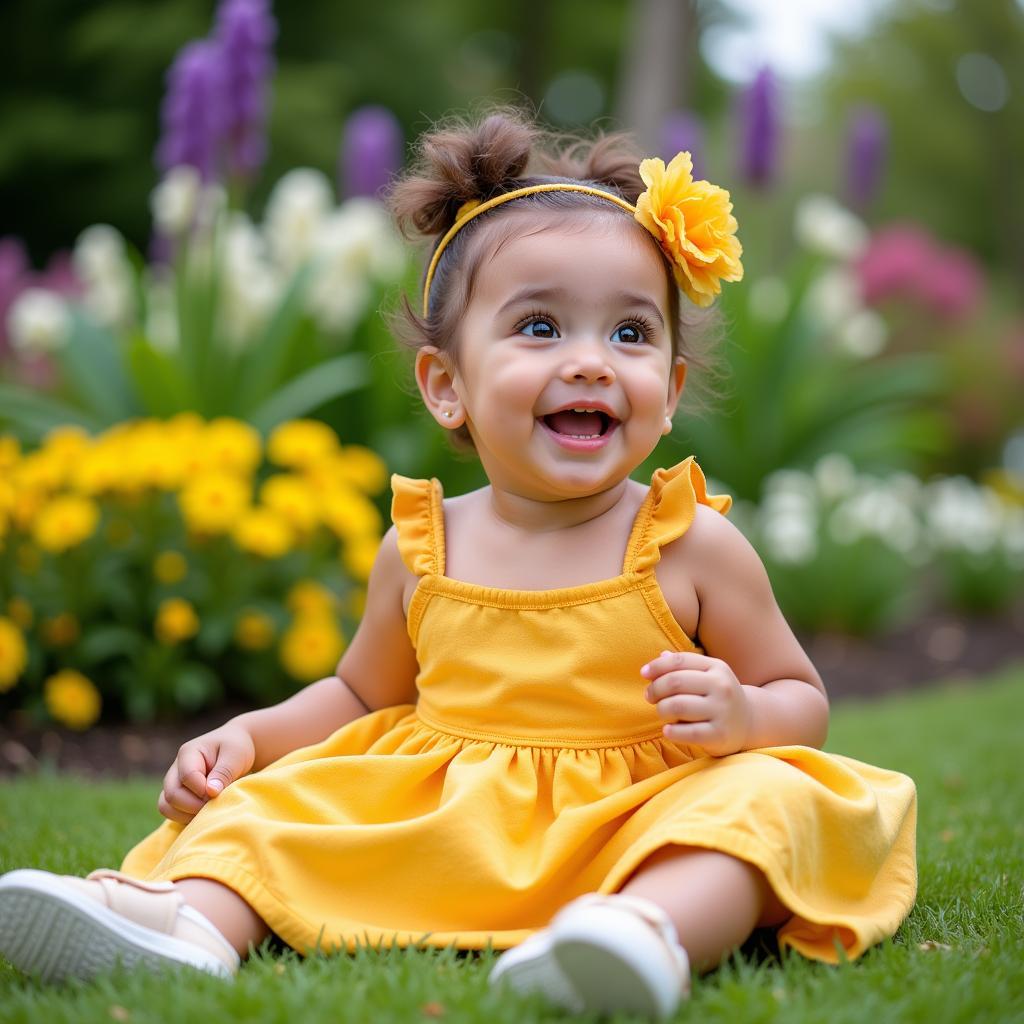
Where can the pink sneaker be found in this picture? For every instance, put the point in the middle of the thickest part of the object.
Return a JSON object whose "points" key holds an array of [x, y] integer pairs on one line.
{"points": [[602, 953], [60, 926]]}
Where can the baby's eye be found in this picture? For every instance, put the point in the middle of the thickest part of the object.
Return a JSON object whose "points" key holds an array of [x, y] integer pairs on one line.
{"points": [[545, 328], [631, 333]]}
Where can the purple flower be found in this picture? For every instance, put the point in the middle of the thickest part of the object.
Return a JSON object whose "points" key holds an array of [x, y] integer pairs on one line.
{"points": [[867, 139], [371, 151], [683, 132], [246, 31], [194, 110], [760, 126], [15, 272]]}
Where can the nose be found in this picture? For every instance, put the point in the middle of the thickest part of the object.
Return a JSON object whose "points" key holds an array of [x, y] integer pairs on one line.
{"points": [[586, 360]]}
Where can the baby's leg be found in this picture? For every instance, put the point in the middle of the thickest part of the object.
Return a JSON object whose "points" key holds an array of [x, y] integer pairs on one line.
{"points": [[714, 900], [232, 916]]}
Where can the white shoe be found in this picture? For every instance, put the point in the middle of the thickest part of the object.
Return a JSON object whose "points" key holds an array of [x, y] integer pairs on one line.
{"points": [[602, 953], [60, 926]]}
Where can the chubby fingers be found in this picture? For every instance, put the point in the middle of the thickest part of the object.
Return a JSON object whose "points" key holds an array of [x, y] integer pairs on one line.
{"points": [[676, 662]]}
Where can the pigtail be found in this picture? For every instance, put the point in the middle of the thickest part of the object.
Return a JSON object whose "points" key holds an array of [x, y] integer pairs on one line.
{"points": [[610, 159], [457, 162]]}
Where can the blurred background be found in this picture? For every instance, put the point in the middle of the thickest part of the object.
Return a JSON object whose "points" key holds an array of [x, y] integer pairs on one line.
{"points": [[200, 402]]}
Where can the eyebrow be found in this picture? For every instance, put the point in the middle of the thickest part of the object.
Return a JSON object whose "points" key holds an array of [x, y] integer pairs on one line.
{"points": [[628, 298]]}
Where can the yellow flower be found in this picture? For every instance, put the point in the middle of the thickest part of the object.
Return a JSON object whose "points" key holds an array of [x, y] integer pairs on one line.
{"points": [[60, 630], [10, 452], [307, 598], [65, 446], [264, 532], [311, 647], [98, 470], [39, 471], [176, 620], [292, 498], [364, 468], [349, 514], [694, 225], [213, 502], [20, 612], [254, 630], [65, 522], [13, 654], [72, 699], [25, 510], [359, 555], [170, 567], [152, 459], [232, 445], [301, 443]]}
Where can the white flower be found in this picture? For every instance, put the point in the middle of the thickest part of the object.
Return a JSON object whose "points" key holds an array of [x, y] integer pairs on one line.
{"points": [[175, 200], [38, 322], [769, 299], [835, 476], [863, 335], [833, 298], [825, 227], [875, 511], [297, 205], [251, 289], [790, 538], [353, 246], [100, 261], [962, 516]]}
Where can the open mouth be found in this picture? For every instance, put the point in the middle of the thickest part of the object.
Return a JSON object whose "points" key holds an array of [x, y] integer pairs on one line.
{"points": [[585, 424]]}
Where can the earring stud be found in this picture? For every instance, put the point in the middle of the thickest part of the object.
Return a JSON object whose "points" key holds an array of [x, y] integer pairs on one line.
{"points": [[448, 413]]}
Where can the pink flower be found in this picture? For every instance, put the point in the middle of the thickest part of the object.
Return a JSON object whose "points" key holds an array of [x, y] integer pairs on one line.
{"points": [[951, 284]]}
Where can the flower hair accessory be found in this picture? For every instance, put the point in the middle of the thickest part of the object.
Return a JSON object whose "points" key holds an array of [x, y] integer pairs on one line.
{"points": [[691, 220]]}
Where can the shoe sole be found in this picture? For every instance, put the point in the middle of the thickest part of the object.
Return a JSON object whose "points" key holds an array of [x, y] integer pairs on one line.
{"points": [[58, 934]]}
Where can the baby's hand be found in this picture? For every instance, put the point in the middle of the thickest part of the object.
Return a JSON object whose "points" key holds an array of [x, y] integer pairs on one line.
{"points": [[702, 700], [203, 767]]}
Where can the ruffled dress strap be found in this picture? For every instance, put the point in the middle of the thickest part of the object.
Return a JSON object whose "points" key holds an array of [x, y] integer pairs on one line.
{"points": [[667, 512], [418, 516]]}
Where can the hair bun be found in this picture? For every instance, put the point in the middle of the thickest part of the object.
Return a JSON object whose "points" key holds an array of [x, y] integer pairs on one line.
{"points": [[609, 159], [458, 162]]}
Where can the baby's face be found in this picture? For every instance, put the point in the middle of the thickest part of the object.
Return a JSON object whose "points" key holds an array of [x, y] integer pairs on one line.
{"points": [[567, 319]]}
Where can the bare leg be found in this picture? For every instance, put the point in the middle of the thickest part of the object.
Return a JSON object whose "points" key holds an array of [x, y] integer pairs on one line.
{"points": [[714, 900], [235, 919]]}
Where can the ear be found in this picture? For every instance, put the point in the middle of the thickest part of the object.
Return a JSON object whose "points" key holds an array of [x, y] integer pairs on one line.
{"points": [[675, 385], [437, 387]]}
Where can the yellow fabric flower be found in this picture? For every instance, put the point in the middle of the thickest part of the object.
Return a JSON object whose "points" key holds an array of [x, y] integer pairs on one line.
{"points": [[65, 522], [60, 630], [170, 567], [294, 499], [214, 502], [176, 620], [307, 598], [694, 225], [254, 630], [359, 555], [301, 443], [13, 654], [72, 699], [311, 647], [264, 532]]}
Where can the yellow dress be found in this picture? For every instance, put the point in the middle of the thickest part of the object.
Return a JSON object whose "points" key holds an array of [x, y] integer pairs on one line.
{"points": [[532, 770]]}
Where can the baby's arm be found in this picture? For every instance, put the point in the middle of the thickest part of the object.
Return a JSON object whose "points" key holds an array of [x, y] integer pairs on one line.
{"points": [[377, 670], [754, 686]]}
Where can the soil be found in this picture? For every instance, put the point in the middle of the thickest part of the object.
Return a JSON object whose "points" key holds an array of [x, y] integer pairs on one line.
{"points": [[938, 648]]}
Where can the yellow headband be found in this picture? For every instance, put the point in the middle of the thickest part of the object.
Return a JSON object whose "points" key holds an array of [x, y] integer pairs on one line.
{"points": [[691, 220]]}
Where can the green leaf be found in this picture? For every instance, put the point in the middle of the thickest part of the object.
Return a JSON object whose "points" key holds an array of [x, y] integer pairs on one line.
{"points": [[263, 362], [330, 379], [103, 642], [161, 385], [31, 416], [94, 370], [194, 685]]}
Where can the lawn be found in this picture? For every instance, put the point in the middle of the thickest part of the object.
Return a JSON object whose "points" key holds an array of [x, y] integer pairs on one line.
{"points": [[958, 958]]}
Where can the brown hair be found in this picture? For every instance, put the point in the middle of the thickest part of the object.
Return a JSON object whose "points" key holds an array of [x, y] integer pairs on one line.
{"points": [[504, 149]]}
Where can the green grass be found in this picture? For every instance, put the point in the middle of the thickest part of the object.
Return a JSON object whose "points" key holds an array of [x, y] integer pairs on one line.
{"points": [[958, 958]]}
